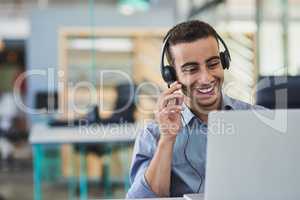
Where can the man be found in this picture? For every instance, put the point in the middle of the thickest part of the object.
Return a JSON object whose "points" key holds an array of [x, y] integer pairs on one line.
{"points": [[169, 155]]}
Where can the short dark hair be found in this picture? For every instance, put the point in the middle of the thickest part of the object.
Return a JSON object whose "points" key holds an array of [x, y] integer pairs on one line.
{"points": [[188, 31]]}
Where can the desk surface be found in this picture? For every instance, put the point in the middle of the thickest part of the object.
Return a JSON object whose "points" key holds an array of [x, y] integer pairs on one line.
{"points": [[185, 197], [42, 133], [178, 198]]}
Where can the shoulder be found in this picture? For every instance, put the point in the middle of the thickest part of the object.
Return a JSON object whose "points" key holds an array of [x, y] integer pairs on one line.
{"points": [[147, 138], [149, 130], [237, 104]]}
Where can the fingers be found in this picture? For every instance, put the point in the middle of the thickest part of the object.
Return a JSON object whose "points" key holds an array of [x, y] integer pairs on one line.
{"points": [[174, 87], [168, 100], [170, 115], [169, 111], [171, 96], [172, 109]]}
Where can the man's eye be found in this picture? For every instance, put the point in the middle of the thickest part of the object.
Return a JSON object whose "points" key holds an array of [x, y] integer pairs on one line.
{"points": [[190, 68], [213, 63]]}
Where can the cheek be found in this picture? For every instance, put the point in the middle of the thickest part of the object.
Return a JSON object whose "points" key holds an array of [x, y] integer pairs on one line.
{"points": [[219, 75], [188, 80], [183, 78]]}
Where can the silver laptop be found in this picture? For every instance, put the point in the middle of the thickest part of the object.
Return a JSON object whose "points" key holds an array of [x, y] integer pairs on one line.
{"points": [[253, 155]]}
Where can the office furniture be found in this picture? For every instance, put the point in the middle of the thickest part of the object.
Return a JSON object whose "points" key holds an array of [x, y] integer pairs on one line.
{"points": [[278, 92], [43, 135], [46, 100], [185, 197]]}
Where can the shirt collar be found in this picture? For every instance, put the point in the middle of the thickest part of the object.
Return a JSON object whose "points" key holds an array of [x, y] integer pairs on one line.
{"points": [[227, 103], [188, 115]]}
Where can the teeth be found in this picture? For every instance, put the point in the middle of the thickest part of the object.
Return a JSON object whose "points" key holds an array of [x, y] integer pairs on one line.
{"points": [[206, 90]]}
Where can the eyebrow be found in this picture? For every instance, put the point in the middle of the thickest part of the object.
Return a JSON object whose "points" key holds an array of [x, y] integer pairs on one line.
{"points": [[212, 58], [196, 63]]}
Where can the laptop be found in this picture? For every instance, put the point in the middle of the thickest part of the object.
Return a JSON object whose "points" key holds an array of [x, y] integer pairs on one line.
{"points": [[253, 155]]}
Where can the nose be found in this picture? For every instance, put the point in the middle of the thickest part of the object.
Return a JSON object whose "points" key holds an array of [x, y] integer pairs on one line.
{"points": [[204, 77]]}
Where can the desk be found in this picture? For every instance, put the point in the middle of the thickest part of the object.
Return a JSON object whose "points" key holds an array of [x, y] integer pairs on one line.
{"points": [[194, 196], [42, 134], [185, 197], [177, 198]]}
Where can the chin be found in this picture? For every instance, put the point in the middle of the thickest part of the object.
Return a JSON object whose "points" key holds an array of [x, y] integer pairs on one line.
{"points": [[208, 101]]}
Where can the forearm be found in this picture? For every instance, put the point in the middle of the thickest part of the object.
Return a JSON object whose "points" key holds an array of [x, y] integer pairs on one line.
{"points": [[158, 174]]}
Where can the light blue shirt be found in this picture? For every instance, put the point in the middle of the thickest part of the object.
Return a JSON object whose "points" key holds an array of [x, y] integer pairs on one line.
{"points": [[192, 138]]}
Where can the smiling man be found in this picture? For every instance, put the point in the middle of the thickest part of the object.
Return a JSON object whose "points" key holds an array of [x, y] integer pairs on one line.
{"points": [[169, 155], [199, 69]]}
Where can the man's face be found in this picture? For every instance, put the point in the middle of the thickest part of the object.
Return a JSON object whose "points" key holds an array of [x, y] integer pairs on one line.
{"points": [[198, 67]]}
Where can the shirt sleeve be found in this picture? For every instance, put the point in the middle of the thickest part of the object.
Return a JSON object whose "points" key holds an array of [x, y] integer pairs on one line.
{"points": [[143, 152]]}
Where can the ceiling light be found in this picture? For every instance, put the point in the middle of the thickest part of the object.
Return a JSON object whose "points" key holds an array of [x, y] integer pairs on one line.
{"points": [[128, 7]]}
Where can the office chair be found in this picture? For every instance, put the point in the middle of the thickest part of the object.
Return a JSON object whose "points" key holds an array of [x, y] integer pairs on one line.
{"points": [[278, 92], [123, 110]]}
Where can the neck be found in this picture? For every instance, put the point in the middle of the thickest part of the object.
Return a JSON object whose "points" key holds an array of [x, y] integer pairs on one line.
{"points": [[202, 111]]}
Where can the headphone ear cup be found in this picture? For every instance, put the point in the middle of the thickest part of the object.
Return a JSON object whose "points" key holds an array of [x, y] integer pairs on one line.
{"points": [[225, 60], [169, 74]]}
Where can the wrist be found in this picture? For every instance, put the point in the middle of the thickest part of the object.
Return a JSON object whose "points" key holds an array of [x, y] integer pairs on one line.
{"points": [[168, 140]]}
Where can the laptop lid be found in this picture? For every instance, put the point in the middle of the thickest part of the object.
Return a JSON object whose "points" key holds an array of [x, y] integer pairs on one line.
{"points": [[253, 155]]}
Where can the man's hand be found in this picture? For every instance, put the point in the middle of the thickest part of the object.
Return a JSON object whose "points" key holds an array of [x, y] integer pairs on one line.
{"points": [[168, 114], [158, 174]]}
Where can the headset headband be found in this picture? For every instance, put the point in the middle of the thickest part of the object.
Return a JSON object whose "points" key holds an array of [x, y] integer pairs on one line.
{"points": [[164, 48]]}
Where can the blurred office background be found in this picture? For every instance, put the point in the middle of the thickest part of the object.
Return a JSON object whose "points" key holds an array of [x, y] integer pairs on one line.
{"points": [[69, 46]]}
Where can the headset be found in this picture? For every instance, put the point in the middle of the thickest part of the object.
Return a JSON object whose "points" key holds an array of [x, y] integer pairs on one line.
{"points": [[168, 72], [169, 76]]}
